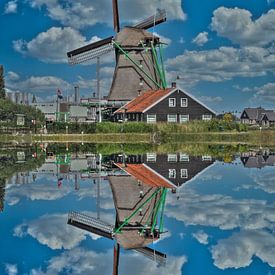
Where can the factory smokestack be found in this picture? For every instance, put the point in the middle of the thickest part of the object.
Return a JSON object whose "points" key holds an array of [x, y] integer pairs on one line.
{"points": [[76, 95]]}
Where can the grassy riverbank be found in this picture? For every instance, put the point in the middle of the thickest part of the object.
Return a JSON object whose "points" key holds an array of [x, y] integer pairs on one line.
{"points": [[266, 137]]}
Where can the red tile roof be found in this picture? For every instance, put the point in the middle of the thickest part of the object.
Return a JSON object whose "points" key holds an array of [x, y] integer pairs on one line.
{"points": [[145, 174], [142, 102]]}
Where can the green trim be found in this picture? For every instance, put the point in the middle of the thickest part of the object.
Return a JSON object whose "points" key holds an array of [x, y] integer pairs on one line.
{"points": [[136, 64], [157, 65], [126, 221], [162, 65]]}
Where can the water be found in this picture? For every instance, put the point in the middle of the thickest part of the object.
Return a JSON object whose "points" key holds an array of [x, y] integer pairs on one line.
{"points": [[210, 212]]}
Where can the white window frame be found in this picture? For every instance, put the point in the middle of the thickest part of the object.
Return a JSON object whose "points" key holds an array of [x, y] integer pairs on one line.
{"points": [[207, 117], [151, 157], [184, 158], [184, 173], [172, 158], [172, 102], [172, 173], [173, 120], [206, 158], [184, 102], [184, 121], [150, 120]]}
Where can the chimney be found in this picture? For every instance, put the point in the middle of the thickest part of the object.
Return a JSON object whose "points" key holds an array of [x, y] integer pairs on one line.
{"points": [[174, 84], [76, 95]]}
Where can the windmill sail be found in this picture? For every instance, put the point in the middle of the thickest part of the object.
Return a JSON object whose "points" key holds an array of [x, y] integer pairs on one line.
{"points": [[116, 16], [152, 21], [90, 51]]}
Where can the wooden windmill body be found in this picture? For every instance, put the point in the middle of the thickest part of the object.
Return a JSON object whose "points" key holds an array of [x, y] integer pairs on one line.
{"points": [[136, 67]]}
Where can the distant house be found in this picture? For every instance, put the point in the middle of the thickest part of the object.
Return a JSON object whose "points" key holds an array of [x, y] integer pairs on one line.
{"points": [[258, 160], [260, 116], [166, 105]]}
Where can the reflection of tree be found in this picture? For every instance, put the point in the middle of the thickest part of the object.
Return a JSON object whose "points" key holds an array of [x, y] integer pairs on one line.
{"points": [[9, 166]]}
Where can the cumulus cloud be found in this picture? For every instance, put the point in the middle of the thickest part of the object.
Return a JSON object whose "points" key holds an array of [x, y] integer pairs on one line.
{"points": [[237, 25], [81, 261], [201, 237], [220, 211], [11, 269], [11, 7], [53, 231], [265, 93], [201, 39], [221, 64], [12, 76], [52, 45], [238, 250], [82, 13]]}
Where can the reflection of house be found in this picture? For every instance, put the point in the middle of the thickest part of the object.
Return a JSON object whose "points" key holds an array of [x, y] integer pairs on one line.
{"points": [[257, 160], [169, 105], [176, 168], [252, 116]]}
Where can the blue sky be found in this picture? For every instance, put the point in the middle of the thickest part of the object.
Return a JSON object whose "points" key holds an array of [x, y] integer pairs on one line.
{"points": [[223, 51]]}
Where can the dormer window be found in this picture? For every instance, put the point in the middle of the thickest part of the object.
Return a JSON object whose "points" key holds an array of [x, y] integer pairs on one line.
{"points": [[172, 102]]}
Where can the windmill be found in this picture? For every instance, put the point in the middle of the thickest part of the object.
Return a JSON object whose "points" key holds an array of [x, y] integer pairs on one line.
{"points": [[138, 56]]}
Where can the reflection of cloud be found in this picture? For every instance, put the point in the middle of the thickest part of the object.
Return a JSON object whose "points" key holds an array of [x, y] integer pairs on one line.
{"points": [[220, 211], [34, 191], [238, 250], [81, 261], [263, 181], [201, 237], [11, 269], [53, 231], [50, 192]]}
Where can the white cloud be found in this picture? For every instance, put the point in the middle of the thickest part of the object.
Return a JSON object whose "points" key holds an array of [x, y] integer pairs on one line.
{"points": [[210, 99], [201, 39], [12, 76], [53, 231], [265, 94], [52, 46], [201, 237], [81, 261], [220, 64], [237, 25], [220, 211], [11, 7], [11, 269], [82, 13], [238, 250]]}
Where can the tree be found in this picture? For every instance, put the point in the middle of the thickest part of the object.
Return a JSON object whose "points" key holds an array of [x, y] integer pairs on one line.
{"points": [[2, 83]]}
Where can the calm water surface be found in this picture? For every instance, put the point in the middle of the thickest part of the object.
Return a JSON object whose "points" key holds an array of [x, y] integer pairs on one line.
{"points": [[64, 213]]}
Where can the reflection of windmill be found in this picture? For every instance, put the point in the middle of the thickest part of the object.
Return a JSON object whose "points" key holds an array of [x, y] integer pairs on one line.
{"points": [[138, 65], [139, 215]]}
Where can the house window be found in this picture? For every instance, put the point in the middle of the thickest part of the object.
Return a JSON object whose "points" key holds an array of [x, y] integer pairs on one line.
{"points": [[151, 157], [184, 102], [184, 118], [172, 102], [184, 158], [151, 119], [172, 158], [184, 173], [206, 158], [171, 118], [172, 173], [206, 117]]}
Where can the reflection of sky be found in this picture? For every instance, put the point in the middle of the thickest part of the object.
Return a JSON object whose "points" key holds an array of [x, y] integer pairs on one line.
{"points": [[222, 223]]}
